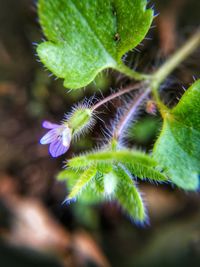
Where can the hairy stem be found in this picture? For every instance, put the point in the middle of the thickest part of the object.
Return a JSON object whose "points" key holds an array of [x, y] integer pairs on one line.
{"points": [[133, 74], [161, 74], [129, 114], [117, 94], [150, 82]]}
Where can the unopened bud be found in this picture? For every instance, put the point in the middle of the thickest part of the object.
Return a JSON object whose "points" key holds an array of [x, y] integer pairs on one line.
{"points": [[151, 107], [80, 120]]}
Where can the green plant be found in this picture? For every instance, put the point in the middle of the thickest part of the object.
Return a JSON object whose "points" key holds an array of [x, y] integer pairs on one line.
{"points": [[85, 37]]}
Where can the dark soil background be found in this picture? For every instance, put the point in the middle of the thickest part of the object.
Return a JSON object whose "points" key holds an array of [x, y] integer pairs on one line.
{"points": [[36, 229]]}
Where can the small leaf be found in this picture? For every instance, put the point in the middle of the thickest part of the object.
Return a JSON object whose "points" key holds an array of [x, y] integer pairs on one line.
{"points": [[99, 183], [145, 172], [90, 196], [85, 37], [83, 180], [178, 148], [70, 176], [128, 196], [67, 174], [91, 193], [123, 156]]}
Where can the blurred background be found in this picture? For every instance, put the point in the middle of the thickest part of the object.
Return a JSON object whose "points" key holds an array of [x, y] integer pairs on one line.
{"points": [[36, 229]]}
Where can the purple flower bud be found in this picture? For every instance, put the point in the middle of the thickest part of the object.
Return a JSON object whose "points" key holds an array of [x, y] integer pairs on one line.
{"points": [[58, 136]]}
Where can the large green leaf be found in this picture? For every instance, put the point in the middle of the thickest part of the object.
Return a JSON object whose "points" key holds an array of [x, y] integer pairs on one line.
{"points": [[178, 147], [85, 37]]}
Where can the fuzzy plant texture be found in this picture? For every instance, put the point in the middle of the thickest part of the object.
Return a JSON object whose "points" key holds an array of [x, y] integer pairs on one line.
{"points": [[82, 39]]}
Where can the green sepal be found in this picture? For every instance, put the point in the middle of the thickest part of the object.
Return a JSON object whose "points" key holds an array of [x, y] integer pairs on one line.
{"points": [[80, 120]]}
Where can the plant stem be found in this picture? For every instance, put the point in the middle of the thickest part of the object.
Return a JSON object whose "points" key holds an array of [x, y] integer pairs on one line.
{"points": [[117, 94], [161, 74], [150, 83], [133, 74], [156, 79], [124, 122]]}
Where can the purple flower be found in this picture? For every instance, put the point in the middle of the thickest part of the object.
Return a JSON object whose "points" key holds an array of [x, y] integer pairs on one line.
{"points": [[58, 136]]}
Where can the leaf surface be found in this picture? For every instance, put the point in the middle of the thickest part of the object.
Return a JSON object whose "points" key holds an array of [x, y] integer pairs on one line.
{"points": [[145, 172], [178, 148], [128, 196], [103, 157], [89, 193], [85, 37], [82, 181]]}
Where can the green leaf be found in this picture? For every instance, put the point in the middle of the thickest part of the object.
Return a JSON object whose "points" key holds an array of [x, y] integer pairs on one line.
{"points": [[123, 156], [90, 196], [128, 196], [67, 174], [85, 37], [83, 180], [70, 176], [92, 191], [178, 147], [146, 172]]}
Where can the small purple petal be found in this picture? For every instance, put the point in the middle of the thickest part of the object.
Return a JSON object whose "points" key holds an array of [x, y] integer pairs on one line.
{"points": [[49, 137], [57, 149], [49, 125]]}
